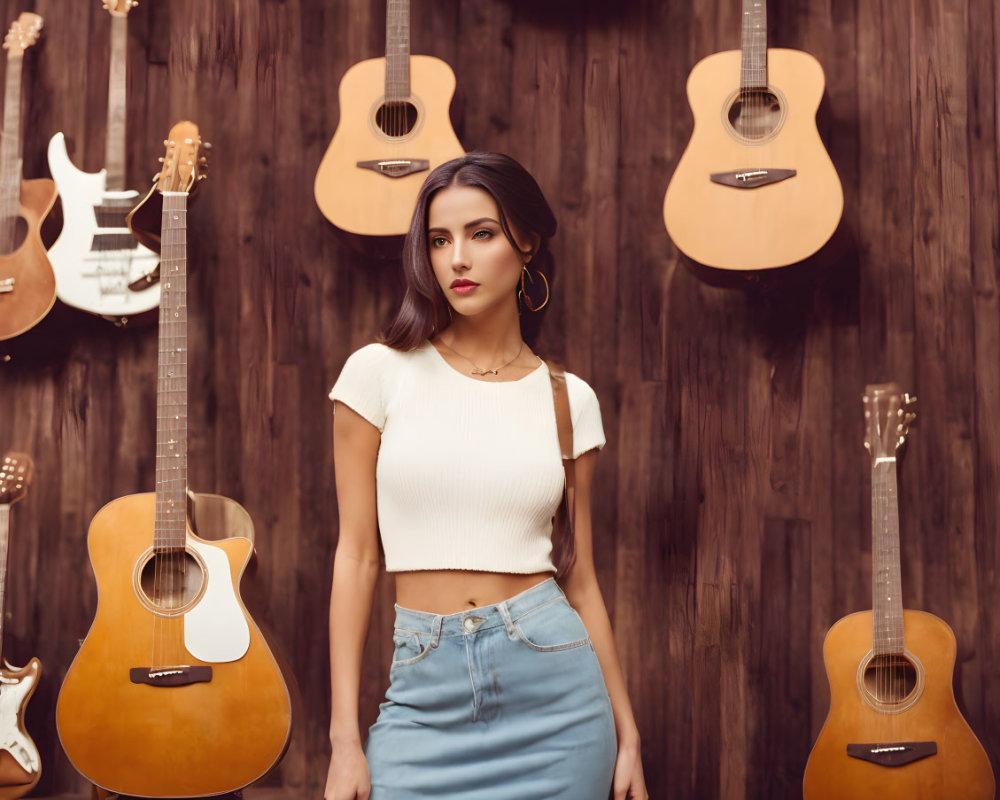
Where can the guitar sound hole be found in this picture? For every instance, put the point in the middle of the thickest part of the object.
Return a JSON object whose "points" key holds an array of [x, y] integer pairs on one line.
{"points": [[396, 119], [890, 679], [171, 580], [755, 113]]}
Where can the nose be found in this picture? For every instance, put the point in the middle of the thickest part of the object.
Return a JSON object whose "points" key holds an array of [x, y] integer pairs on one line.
{"points": [[460, 258]]}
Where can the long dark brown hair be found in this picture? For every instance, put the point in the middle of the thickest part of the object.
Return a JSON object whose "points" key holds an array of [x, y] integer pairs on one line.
{"points": [[522, 207], [425, 311]]}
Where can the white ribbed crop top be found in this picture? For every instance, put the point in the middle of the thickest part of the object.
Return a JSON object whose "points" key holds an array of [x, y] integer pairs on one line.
{"points": [[469, 472]]}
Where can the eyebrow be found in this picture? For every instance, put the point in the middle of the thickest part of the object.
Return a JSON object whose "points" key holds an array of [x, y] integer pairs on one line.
{"points": [[468, 225]]}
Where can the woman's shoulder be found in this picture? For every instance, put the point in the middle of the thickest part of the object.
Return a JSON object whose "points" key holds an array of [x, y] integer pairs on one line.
{"points": [[580, 392], [585, 410], [378, 357]]}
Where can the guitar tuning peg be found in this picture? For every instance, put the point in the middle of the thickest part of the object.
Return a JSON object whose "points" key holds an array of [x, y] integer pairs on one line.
{"points": [[160, 159], [165, 142], [207, 145]]}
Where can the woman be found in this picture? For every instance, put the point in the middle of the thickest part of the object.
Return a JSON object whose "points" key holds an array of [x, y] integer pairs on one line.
{"points": [[445, 445]]}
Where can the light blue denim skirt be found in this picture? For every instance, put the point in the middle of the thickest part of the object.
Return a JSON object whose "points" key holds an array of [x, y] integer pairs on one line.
{"points": [[503, 702]]}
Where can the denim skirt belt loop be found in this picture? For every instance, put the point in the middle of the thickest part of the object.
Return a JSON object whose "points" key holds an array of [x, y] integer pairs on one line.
{"points": [[502, 702]]}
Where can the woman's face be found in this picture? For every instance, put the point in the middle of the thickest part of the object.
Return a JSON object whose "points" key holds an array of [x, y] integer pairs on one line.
{"points": [[473, 261]]}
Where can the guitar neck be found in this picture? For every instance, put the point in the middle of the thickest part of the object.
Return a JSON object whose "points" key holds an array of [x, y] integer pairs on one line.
{"points": [[4, 532], [171, 397], [887, 602], [114, 156], [753, 70], [10, 152], [397, 51]]}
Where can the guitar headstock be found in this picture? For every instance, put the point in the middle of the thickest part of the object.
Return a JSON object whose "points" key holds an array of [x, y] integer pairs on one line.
{"points": [[23, 33], [888, 414], [15, 475], [119, 8], [185, 163]]}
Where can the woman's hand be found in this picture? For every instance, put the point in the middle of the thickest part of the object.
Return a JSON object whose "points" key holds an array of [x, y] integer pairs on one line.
{"points": [[348, 778], [629, 783]]}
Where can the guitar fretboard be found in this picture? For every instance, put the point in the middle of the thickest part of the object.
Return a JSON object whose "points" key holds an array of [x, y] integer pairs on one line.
{"points": [[397, 51], [753, 70], [114, 154], [887, 601], [10, 152], [171, 395]]}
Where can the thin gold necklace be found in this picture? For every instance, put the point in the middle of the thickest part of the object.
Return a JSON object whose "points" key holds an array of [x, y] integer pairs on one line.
{"points": [[478, 369]]}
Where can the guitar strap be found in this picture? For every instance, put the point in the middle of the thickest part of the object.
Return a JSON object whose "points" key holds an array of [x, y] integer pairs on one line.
{"points": [[564, 426]]}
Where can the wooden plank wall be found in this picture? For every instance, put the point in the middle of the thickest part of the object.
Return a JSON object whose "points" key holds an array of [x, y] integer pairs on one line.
{"points": [[731, 502]]}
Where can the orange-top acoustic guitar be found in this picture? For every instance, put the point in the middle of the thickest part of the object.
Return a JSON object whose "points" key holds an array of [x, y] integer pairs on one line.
{"points": [[893, 731], [27, 282], [755, 188], [394, 127], [174, 692]]}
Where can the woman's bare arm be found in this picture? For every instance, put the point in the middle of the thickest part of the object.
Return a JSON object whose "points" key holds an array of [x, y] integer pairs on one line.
{"points": [[355, 572], [584, 594]]}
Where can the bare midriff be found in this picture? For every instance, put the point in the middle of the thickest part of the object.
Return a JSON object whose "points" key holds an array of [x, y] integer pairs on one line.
{"points": [[450, 591]]}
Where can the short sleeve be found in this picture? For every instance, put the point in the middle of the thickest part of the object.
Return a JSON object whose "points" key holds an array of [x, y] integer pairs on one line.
{"points": [[361, 384], [585, 411]]}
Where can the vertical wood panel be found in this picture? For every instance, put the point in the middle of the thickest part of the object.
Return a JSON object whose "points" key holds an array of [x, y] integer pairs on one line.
{"points": [[731, 503]]}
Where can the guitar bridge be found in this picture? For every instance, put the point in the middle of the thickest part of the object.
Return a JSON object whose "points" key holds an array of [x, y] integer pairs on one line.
{"points": [[751, 177], [396, 168], [170, 676], [6, 286], [892, 754]]}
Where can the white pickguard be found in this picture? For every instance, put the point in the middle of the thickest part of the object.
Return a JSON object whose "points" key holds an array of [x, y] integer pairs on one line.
{"points": [[12, 739], [95, 280], [216, 629]]}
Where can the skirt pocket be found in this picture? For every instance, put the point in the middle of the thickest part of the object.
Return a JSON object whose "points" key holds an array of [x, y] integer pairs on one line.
{"points": [[410, 647], [553, 626]]}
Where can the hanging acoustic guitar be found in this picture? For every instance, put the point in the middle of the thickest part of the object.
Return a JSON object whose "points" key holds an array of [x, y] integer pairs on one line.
{"points": [[100, 267], [394, 128], [755, 188], [893, 731], [174, 692], [27, 283], [20, 766]]}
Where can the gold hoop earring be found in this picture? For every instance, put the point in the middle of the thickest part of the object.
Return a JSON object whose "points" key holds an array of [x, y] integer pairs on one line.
{"points": [[523, 294]]}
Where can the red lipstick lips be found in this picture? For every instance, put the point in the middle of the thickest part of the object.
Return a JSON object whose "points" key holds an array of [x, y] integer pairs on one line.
{"points": [[463, 285]]}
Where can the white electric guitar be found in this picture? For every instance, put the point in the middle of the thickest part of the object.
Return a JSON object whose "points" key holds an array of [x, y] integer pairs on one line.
{"points": [[20, 766], [99, 265]]}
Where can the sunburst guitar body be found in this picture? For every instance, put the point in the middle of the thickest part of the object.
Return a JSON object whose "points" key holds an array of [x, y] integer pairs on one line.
{"points": [[755, 187], [920, 708], [394, 128], [27, 282], [894, 731]]}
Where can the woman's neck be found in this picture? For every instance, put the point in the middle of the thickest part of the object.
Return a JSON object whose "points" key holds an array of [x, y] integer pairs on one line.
{"points": [[485, 339]]}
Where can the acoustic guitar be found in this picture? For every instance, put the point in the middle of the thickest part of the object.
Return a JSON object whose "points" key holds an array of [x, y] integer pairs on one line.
{"points": [[99, 266], [893, 731], [20, 765], [394, 128], [174, 692], [27, 284], [755, 188]]}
